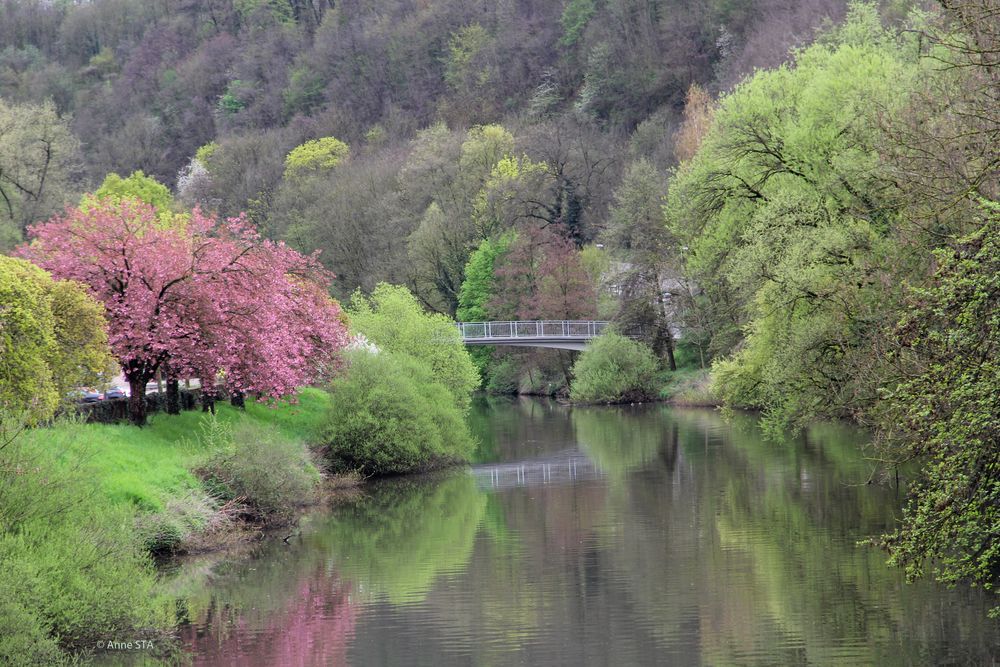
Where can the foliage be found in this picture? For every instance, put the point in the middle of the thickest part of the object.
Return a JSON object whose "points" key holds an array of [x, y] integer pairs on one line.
{"points": [[393, 319], [789, 226], [944, 409], [316, 155], [38, 164], [390, 414], [614, 369], [52, 339], [264, 472], [136, 186], [480, 282]]}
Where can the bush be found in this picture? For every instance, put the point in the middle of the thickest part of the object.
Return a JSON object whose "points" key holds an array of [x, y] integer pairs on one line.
{"points": [[614, 369], [269, 475], [389, 415]]}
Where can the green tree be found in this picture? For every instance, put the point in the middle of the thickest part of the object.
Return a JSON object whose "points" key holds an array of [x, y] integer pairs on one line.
{"points": [[136, 186], [789, 226], [392, 318], [480, 283], [944, 410], [315, 156], [52, 339], [38, 167]]}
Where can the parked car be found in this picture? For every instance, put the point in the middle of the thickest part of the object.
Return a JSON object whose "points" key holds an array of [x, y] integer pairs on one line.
{"points": [[114, 392], [87, 395]]}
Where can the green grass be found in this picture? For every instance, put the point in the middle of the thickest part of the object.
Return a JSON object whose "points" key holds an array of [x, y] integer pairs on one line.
{"points": [[148, 466]]}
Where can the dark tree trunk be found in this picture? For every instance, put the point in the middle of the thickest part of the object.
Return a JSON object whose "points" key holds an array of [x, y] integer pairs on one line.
{"points": [[173, 405], [238, 400], [137, 399], [207, 397], [670, 350]]}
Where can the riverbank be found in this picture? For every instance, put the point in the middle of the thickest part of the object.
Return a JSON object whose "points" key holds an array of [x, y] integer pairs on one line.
{"points": [[87, 507]]}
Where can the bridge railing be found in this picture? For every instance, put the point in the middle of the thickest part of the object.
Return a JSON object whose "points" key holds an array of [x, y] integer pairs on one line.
{"points": [[584, 329]]}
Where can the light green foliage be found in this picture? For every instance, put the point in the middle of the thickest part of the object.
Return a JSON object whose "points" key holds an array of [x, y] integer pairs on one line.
{"points": [[463, 47], [52, 338], [204, 153], [392, 318], [38, 164], [315, 156], [507, 194], [135, 186], [484, 147], [259, 468], [613, 369], [479, 285], [72, 568], [787, 229], [944, 409], [391, 413]]}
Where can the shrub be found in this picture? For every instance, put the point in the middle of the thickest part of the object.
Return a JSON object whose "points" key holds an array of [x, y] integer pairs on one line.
{"points": [[254, 465], [614, 369], [389, 415]]}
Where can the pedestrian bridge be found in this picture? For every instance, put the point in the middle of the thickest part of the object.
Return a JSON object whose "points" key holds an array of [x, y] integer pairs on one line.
{"points": [[558, 334]]}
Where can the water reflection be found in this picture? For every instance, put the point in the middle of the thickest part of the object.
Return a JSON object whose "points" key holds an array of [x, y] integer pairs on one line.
{"points": [[695, 541]]}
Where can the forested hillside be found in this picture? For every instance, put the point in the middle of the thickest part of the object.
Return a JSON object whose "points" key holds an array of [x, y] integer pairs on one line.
{"points": [[801, 196]]}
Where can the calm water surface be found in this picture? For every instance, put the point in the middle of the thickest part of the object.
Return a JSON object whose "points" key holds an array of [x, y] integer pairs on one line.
{"points": [[599, 536]]}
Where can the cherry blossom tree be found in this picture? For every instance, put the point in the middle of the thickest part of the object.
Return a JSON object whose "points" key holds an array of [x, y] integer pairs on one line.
{"points": [[199, 296]]}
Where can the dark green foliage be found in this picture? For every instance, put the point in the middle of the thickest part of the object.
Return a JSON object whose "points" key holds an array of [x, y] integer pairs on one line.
{"points": [[945, 410], [389, 414], [614, 369]]}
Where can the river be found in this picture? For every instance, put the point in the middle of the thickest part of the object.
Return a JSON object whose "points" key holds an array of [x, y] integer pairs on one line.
{"points": [[640, 535]]}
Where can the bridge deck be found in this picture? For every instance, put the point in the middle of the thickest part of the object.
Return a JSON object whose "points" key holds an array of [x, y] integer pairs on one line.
{"points": [[562, 334]]}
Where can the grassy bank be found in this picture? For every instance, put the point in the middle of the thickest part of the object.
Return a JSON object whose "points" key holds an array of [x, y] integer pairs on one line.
{"points": [[83, 507]]}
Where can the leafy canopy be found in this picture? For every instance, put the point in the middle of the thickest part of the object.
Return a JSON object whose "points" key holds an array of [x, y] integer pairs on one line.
{"points": [[52, 339], [315, 156], [945, 411]]}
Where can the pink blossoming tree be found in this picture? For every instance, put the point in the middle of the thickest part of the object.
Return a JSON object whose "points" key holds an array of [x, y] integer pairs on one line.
{"points": [[197, 296]]}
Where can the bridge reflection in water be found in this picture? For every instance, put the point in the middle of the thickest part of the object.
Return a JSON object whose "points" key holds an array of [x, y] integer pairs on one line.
{"points": [[564, 467]]}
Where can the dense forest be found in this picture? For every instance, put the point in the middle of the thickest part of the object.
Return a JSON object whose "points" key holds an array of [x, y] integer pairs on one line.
{"points": [[802, 196]]}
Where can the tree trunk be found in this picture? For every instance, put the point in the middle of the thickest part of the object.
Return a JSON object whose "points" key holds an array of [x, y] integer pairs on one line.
{"points": [[670, 350], [173, 405], [665, 322], [238, 400], [207, 397], [137, 399]]}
